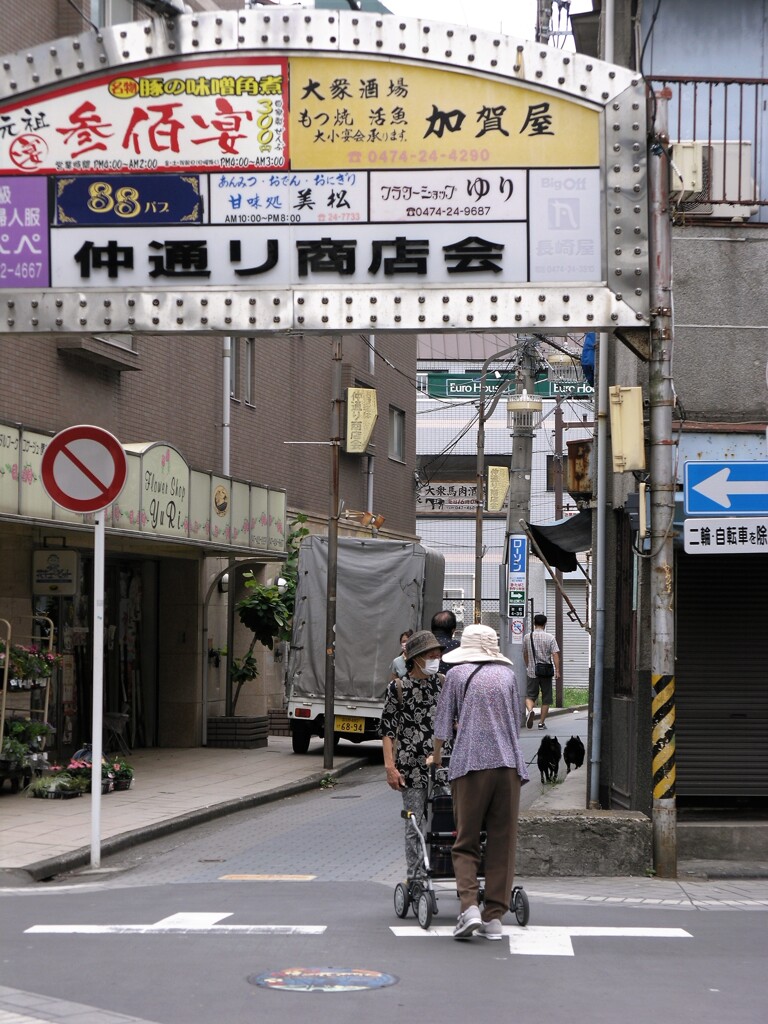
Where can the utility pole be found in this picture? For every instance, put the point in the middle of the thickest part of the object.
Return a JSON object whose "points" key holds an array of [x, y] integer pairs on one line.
{"points": [[664, 816], [558, 474], [483, 413], [520, 494], [333, 560]]}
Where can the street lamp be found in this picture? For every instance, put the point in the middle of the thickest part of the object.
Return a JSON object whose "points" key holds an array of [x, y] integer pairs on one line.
{"points": [[523, 412]]}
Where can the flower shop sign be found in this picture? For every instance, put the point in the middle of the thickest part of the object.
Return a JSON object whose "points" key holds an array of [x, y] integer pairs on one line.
{"points": [[163, 498]]}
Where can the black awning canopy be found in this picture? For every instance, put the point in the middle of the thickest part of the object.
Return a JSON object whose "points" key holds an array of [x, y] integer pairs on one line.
{"points": [[560, 541]]}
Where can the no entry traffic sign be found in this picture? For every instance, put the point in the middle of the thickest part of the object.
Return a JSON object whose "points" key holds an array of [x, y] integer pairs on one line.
{"points": [[84, 468]]}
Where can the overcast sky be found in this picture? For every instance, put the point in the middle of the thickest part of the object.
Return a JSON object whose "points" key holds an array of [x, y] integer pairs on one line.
{"points": [[513, 17]]}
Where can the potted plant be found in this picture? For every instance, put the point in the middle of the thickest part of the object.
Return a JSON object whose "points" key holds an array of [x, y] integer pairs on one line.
{"points": [[31, 731], [122, 773], [81, 767], [28, 666], [56, 784], [267, 611]]}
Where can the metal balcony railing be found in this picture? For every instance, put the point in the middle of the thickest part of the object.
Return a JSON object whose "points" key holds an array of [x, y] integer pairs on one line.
{"points": [[716, 131]]}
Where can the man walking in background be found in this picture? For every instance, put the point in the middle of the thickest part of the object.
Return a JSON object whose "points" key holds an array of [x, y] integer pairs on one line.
{"points": [[542, 663], [443, 628]]}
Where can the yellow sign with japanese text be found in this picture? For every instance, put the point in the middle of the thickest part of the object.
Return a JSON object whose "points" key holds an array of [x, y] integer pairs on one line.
{"points": [[362, 413], [498, 486], [384, 115]]}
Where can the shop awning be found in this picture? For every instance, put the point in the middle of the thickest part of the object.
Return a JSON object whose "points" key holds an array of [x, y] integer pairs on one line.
{"points": [[559, 542]]}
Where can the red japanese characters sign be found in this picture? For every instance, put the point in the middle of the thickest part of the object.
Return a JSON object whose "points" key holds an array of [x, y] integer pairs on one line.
{"points": [[200, 115]]}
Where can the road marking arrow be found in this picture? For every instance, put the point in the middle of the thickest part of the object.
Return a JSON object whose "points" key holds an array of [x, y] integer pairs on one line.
{"points": [[542, 941], [719, 488], [179, 924]]}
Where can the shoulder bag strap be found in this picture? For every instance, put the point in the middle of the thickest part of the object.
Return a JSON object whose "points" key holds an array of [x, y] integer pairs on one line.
{"points": [[469, 680]]}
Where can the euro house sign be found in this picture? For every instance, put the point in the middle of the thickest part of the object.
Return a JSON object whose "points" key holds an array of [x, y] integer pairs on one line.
{"points": [[319, 170], [726, 488], [84, 468]]}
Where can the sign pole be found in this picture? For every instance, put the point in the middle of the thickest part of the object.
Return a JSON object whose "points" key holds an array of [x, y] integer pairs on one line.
{"points": [[98, 685], [84, 469], [333, 544]]}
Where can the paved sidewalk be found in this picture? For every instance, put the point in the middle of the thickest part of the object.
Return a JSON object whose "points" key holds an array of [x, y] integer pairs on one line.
{"points": [[172, 789]]}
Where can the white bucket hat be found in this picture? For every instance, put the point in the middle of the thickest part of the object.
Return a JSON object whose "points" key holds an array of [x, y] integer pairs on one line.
{"points": [[478, 643]]}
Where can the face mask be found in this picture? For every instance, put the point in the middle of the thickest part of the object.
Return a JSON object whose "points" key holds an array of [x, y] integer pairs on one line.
{"points": [[432, 666]]}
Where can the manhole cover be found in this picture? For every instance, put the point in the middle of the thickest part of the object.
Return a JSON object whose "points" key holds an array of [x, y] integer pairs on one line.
{"points": [[322, 979]]}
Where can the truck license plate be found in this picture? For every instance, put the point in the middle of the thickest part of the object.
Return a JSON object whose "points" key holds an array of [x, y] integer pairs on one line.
{"points": [[343, 724]]}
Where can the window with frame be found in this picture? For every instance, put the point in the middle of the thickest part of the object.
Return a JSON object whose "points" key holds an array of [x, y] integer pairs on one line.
{"points": [[249, 369], [234, 369], [242, 369], [396, 434]]}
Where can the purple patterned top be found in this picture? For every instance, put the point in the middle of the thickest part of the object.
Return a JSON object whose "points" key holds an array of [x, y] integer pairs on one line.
{"points": [[488, 716]]}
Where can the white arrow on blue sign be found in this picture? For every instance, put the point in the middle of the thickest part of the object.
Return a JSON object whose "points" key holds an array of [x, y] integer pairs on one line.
{"points": [[726, 488]]}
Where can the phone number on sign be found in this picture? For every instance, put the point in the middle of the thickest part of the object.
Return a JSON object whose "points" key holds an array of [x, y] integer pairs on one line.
{"points": [[24, 270], [447, 211], [424, 156]]}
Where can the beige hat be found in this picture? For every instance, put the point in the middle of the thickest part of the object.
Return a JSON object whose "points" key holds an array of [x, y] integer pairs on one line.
{"points": [[478, 643]]}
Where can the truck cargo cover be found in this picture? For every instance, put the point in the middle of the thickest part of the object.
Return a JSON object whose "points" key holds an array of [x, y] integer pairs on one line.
{"points": [[379, 595]]}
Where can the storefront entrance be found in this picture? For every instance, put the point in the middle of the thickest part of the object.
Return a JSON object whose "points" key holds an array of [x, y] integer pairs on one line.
{"points": [[130, 657]]}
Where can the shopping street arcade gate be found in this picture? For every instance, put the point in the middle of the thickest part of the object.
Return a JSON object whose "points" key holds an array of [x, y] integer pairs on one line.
{"points": [[316, 170]]}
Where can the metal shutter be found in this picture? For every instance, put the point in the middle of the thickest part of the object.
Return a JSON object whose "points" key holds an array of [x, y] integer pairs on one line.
{"points": [[574, 657], [721, 676]]}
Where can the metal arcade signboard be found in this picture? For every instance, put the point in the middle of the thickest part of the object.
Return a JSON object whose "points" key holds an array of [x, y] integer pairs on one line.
{"points": [[317, 170]]}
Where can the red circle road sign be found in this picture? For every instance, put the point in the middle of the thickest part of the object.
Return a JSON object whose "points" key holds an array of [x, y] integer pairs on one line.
{"points": [[84, 468]]}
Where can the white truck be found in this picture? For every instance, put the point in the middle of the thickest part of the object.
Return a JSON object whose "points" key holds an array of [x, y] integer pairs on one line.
{"points": [[383, 587]]}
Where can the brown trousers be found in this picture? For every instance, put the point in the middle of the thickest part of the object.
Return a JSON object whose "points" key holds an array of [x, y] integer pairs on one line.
{"points": [[488, 799]]}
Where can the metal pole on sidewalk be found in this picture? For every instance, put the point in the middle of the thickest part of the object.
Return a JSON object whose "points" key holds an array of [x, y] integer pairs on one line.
{"points": [[664, 816], [98, 684], [333, 547]]}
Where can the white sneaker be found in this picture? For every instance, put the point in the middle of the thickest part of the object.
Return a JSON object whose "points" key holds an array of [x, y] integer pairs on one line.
{"points": [[491, 929], [467, 923]]}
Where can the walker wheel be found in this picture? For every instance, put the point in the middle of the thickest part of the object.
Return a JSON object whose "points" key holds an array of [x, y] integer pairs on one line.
{"points": [[424, 910], [519, 906], [401, 900]]}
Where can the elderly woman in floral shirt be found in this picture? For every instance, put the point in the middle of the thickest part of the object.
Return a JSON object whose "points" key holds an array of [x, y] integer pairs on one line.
{"points": [[407, 723]]}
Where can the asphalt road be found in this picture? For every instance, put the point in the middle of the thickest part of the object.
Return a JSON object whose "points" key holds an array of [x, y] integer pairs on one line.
{"points": [[180, 930]]}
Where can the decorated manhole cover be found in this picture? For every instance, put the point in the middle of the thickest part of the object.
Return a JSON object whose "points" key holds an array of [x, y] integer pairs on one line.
{"points": [[322, 979]]}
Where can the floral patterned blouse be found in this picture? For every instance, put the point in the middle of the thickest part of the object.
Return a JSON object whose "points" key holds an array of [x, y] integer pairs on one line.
{"points": [[411, 724]]}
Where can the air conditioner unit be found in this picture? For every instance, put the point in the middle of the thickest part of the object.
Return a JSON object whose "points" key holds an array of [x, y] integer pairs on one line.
{"points": [[713, 179]]}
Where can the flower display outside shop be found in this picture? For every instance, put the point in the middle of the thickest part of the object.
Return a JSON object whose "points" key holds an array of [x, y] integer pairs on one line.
{"points": [[122, 772], [28, 665], [58, 782]]}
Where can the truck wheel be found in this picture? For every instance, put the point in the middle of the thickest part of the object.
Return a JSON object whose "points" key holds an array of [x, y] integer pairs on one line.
{"points": [[300, 740]]}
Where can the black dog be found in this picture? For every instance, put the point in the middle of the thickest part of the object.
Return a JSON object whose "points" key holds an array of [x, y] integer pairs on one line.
{"points": [[548, 758], [573, 753]]}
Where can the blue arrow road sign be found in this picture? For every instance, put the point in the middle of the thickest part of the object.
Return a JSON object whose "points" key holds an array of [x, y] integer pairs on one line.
{"points": [[726, 488]]}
